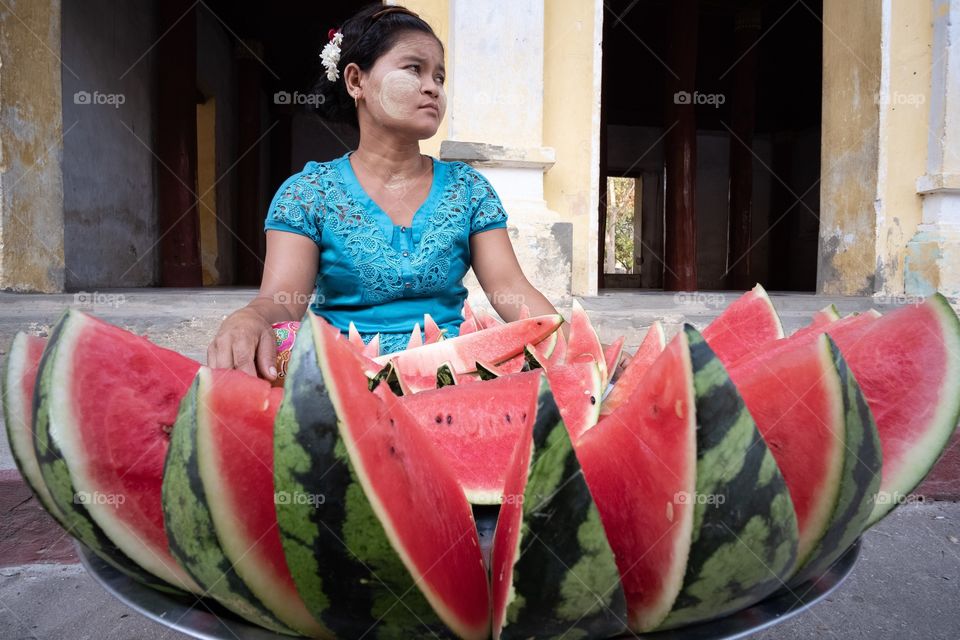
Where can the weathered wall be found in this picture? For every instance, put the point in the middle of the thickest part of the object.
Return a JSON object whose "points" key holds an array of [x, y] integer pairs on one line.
{"points": [[571, 126], [31, 187], [109, 202], [850, 150], [904, 125]]}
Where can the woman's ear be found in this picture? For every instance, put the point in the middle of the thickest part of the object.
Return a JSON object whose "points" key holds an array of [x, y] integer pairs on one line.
{"points": [[351, 78]]}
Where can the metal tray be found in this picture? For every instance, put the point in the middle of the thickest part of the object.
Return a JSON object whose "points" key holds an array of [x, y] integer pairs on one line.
{"points": [[203, 618]]}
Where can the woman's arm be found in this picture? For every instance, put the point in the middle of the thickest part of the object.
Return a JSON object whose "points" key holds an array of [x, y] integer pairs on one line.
{"points": [[499, 273], [245, 339]]}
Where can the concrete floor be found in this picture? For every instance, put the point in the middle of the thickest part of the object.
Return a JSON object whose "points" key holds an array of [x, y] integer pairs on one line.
{"points": [[906, 584]]}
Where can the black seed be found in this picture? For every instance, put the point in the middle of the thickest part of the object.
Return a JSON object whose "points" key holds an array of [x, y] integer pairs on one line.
{"points": [[506, 416], [593, 400], [393, 451], [449, 418], [439, 419]]}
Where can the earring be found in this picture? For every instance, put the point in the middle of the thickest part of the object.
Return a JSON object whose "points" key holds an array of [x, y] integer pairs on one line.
{"points": [[356, 100]]}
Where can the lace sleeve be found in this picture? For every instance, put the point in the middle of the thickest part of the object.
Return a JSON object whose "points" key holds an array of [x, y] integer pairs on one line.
{"points": [[487, 211], [297, 206]]}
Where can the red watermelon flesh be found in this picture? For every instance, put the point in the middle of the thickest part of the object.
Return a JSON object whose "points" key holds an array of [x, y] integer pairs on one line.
{"points": [[636, 461], [583, 340], [747, 323], [576, 389], [412, 490], [612, 353], [121, 397], [416, 338], [432, 332], [493, 345], [649, 350], [19, 379], [795, 399], [907, 363], [235, 450], [475, 427], [517, 362]]}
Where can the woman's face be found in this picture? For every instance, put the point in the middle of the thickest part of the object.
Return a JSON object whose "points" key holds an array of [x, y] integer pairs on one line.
{"points": [[403, 91]]}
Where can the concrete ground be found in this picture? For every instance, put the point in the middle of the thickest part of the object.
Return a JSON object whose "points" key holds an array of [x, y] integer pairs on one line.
{"points": [[905, 585]]}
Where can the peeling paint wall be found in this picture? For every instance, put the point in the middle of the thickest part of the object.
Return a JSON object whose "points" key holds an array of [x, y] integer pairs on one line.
{"points": [[904, 125], [850, 150], [109, 188], [31, 187], [571, 126]]}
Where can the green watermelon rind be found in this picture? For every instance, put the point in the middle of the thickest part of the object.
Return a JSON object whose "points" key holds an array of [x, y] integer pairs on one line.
{"points": [[565, 578], [56, 476], [744, 546], [928, 450], [349, 592], [189, 524], [18, 422], [860, 477]]}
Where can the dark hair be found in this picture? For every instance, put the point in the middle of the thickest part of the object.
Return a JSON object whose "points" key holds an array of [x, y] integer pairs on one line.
{"points": [[367, 35]]}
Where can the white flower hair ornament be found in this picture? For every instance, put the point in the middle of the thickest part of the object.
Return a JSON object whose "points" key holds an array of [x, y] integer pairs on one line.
{"points": [[330, 56]]}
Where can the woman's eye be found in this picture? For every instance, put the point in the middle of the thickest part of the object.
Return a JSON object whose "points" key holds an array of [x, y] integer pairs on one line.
{"points": [[415, 67], [440, 79]]}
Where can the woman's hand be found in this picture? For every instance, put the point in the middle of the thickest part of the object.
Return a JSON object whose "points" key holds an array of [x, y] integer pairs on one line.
{"points": [[245, 341]]}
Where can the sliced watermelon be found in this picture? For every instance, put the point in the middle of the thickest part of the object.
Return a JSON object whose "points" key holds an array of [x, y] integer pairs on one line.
{"points": [[519, 361], [432, 332], [354, 336], [815, 421], [392, 548], [187, 514], [583, 341], [747, 323], [907, 363], [553, 571], [372, 348], [476, 428], [235, 452], [105, 404], [446, 376], [645, 454], [612, 353], [416, 338], [19, 379], [490, 345], [651, 348], [576, 386]]}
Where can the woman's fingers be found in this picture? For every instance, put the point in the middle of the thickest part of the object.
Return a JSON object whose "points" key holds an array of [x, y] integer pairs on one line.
{"points": [[267, 355], [243, 353]]}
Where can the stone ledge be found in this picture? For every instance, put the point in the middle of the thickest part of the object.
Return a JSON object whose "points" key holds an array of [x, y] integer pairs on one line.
{"points": [[491, 155]]}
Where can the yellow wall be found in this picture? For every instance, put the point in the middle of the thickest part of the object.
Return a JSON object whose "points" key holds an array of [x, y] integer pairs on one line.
{"points": [[437, 15], [571, 125], [905, 119]]}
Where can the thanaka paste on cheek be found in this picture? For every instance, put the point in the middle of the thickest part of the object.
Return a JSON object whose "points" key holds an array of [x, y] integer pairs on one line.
{"points": [[400, 94]]}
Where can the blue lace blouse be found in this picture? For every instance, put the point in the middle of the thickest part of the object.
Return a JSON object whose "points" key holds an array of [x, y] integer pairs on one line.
{"points": [[379, 275]]}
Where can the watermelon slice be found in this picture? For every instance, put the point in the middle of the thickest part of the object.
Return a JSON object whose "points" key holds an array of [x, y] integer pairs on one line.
{"points": [[493, 345], [354, 336], [584, 342], [476, 428], [392, 549], [612, 353], [372, 348], [187, 520], [416, 338], [651, 348], [747, 323], [576, 386], [907, 363], [432, 332], [105, 404], [813, 417], [553, 571], [726, 534], [519, 362], [19, 378], [648, 449]]}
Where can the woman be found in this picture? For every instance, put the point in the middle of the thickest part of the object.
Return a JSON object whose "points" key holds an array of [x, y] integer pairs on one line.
{"points": [[382, 234]]}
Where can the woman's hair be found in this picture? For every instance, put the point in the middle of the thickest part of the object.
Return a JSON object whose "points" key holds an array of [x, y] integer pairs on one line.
{"points": [[367, 35]]}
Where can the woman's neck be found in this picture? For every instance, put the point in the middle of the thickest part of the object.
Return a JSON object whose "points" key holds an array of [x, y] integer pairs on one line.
{"points": [[389, 160]]}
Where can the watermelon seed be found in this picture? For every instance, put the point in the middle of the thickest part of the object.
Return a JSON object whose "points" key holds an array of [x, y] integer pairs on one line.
{"points": [[393, 451], [439, 419], [506, 417], [593, 400], [449, 418]]}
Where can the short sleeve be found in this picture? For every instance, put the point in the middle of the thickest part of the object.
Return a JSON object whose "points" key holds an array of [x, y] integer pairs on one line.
{"points": [[298, 206], [487, 211]]}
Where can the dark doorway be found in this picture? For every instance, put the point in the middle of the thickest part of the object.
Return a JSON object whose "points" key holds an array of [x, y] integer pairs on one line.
{"points": [[710, 144]]}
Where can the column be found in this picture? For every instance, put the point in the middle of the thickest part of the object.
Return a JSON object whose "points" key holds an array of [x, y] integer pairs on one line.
{"points": [[932, 261], [496, 124]]}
